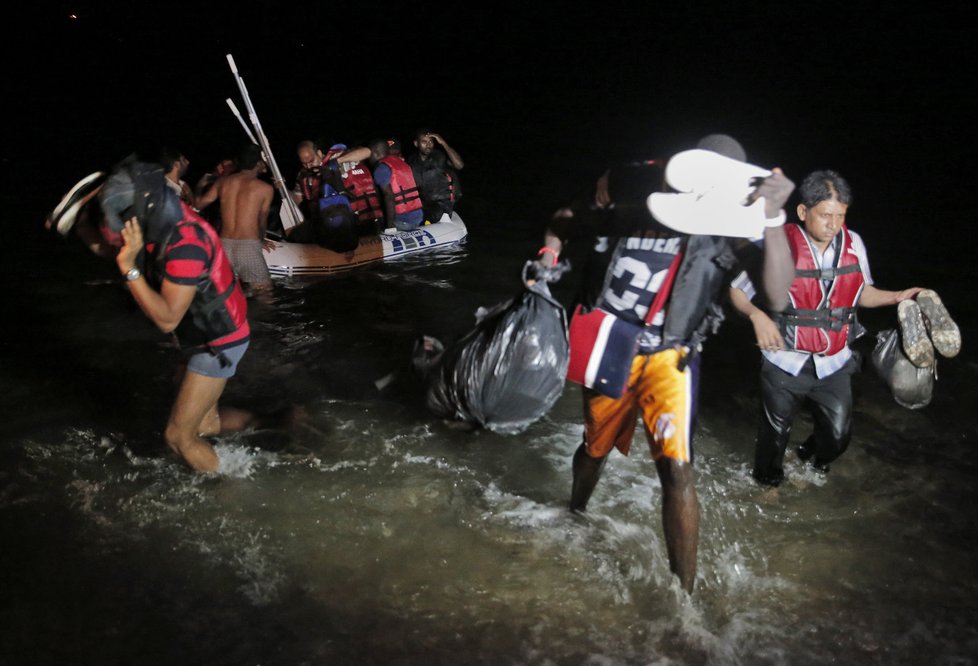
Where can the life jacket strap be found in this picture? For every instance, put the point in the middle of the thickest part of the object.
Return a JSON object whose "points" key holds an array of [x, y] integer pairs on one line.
{"points": [[834, 319], [828, 273]]}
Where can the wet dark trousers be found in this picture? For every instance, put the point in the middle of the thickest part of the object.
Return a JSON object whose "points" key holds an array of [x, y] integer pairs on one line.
{"points": [[782, 395]]}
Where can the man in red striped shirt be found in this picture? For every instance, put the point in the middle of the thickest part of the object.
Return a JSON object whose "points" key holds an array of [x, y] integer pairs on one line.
{"points": [[191, 291]]}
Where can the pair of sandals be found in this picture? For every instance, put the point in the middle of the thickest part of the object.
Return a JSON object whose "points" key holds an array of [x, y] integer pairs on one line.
{"points": [[926, 327]]}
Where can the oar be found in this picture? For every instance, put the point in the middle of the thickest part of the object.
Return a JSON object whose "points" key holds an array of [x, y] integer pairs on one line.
{"points": [[289, 212], [244, 125]]}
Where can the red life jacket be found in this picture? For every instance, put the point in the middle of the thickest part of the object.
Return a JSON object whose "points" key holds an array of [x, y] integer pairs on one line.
{"points": [[311, 183], [821, 319], [217, 316], [364, 200], [405, 189]]}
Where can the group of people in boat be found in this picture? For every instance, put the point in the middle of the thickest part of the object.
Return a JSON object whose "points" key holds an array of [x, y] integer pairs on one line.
{"points": [[343, 192]]}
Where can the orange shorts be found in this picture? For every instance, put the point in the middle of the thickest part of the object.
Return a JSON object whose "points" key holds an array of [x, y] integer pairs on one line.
{"points": [[661, 393]]}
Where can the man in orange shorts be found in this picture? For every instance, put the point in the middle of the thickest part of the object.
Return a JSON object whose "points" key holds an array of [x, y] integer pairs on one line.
{"points": [[631, 258]]}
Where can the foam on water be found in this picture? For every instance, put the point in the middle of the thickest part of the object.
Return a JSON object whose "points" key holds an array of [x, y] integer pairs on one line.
{"points": [[235, 461], [491, 550], [136, 493]]}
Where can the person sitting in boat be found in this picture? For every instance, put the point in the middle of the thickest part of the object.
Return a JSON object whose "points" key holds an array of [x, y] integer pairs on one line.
{"points": [[329, 219], [336, 225], [402, 202], [436, 173], [357, 182], [308, 188], [176, 164]]}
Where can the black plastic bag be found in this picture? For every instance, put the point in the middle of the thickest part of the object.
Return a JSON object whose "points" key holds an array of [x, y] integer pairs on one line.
{"points": [[507, 372], [912, 387]]}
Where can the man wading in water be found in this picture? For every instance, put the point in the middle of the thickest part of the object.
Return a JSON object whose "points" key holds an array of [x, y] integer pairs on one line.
{"points": [[632, 257], [189, 289], [245, 202], [805, 347]]}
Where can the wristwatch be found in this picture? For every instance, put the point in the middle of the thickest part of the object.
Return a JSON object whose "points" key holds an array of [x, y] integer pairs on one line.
{"points": [[133, 274]]}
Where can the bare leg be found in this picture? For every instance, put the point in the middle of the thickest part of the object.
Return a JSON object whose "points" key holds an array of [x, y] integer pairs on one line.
{"points": [[587, 471], [211, 424], [196, 399], [262, 292], [225, 419], [680, 518], [232, 419]]}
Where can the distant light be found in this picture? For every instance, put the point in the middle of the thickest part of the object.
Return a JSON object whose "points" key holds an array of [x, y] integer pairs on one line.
{"points": [[73, 16]]}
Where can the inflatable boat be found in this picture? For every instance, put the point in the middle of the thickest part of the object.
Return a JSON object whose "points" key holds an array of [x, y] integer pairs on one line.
{"points": [[288, 259], [299, 259]]}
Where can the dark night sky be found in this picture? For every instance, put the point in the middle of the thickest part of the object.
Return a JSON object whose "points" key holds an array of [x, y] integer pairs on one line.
{"points": [[881, 93]]}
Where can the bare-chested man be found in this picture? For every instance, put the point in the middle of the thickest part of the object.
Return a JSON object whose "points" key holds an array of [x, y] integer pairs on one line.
{"points": [[245, 202]]}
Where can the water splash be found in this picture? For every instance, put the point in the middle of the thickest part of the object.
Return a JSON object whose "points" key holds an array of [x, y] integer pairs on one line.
{"points": [[236, 461]]}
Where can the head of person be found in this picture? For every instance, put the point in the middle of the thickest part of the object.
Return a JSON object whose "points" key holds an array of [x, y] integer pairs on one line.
{"points": [[225, 167], [310, 156], [723, 144], [250, 157], [423, 142], [825, 198], [378, 150], [174, 162], [136, 189]]}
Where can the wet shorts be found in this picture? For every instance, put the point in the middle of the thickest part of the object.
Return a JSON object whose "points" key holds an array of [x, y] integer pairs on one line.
{"points": [[248, 260], [661, 394], [221, 365]]}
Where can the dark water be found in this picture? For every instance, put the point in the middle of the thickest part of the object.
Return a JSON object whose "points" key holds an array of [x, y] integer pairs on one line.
{"points": [[376, 534]]}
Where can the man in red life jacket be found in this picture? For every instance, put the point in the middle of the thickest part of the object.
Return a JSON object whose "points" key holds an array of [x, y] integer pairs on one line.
{"points": [[356, 182], [308, 182], [185, 286], [402, 201], [805, 347]]}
